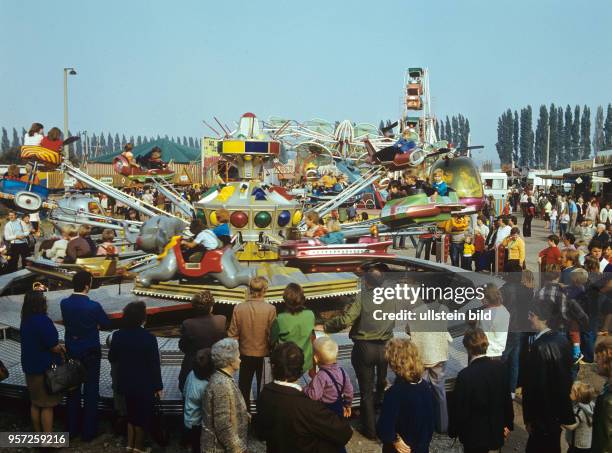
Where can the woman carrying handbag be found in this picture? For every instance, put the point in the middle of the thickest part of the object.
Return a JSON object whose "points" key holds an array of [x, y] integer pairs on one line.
{"points": [[40, 350]]}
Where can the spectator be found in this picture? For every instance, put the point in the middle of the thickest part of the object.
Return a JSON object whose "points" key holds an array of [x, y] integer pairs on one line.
{"points": [[225, 419], [35, 135], [568, 242], [432, 340], [605, 214], [596, 251], [134, 351], [107, 247], [296, 324], [468, 253], [481, 414], [547, 213], [564, 220], [195, 386], [407, 414], [586, 230], [40, 349], [456, 227], [601, 236], [80, 246], [551, 254], [530, 211], [579, 434], [250, 325], [516, 251], [547, 383], [287, 419], [15, 234], [331, 385], [518, 296], [569, 262], [83, 318], [199, 332], [553, 220], [496, 325], [592, 212], [602, 417], [57, 252], [481, 232], [368, 354]]}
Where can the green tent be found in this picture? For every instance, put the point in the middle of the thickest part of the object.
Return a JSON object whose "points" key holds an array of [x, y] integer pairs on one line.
{"points": [[171, 151]]}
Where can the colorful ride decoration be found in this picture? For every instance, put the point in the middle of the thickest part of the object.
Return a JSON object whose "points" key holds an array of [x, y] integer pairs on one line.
{"points": [[418, 209], [42, 155], [25, 194], [261, 214], [462, 176], [311, 255], [123, 167]]}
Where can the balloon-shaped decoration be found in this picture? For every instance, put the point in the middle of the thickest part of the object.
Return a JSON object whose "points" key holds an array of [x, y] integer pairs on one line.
{"points": [[263, 219], [284, 218], [297, 218], [239, 219], [213, 218]]}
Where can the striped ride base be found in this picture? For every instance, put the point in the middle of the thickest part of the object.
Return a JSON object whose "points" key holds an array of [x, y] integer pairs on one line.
{"points": [[41, 155]]}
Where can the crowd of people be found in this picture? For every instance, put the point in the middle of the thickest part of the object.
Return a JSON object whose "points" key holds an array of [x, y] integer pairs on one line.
{"points": [[303, 396]]}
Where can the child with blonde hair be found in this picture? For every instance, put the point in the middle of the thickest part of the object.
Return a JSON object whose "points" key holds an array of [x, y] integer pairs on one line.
{"points": [[468, 252], [334, 233], [579, 434], [331, 385]]}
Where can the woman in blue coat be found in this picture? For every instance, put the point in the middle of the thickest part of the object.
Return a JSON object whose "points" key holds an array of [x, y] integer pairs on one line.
{"points": [[40, 349], [135, 354], [407, 415]]}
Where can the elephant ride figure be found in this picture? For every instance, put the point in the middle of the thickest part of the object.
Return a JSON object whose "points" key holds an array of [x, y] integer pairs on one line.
{"points": [[219, 263]]}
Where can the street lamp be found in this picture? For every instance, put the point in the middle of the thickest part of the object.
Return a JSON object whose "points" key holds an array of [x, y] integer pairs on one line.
{"points": [[67, 71]]}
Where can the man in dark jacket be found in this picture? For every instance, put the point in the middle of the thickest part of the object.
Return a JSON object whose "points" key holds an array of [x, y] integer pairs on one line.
{"points": [[83, 318], [369, 335], [547, 382], [481, 409], [200, 332], [287, 419]]}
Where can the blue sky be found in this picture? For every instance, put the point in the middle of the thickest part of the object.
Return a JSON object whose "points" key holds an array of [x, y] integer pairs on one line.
{"points": [[160, 67]]}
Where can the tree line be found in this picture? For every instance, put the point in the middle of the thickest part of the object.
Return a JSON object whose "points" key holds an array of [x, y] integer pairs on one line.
{"points": [[98, 144], [564, 134]]}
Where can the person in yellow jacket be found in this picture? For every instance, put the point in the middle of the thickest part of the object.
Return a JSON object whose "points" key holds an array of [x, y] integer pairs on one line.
{"points": [[456, 227], [515, 245], [468, 252]]}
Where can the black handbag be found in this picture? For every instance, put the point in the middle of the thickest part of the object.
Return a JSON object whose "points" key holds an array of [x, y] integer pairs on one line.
{"points": [[65, 377], [159, 425], [4, 373]]}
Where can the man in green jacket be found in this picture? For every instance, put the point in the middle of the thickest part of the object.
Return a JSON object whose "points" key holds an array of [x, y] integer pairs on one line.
{"points": [[369, 335]]}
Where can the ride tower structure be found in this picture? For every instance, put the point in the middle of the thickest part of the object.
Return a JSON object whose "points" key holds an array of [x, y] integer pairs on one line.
{"points": [[417, 112]]}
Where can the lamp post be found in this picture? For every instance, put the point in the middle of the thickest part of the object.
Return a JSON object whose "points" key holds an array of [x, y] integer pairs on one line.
{"points": [[67, 71]]}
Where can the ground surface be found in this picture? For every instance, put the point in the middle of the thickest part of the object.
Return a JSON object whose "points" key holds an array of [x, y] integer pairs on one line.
{"points": [[15, 418]]}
